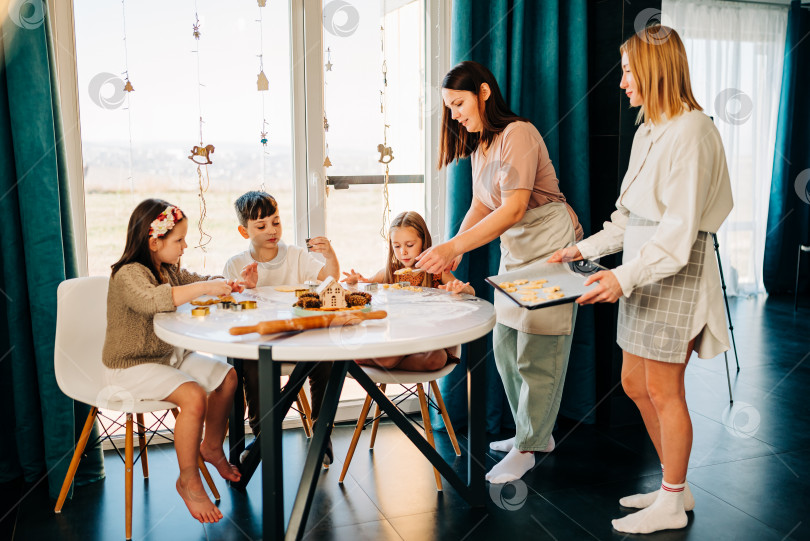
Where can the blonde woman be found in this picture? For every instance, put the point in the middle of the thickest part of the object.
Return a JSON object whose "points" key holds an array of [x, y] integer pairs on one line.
{"points": [[675, 193]]}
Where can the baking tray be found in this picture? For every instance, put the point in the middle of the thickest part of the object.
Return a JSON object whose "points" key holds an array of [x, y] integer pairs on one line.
{"points": [[569, 276]]}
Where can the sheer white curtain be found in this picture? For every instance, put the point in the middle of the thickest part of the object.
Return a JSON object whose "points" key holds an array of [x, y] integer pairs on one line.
{"points": [[735, 52]]}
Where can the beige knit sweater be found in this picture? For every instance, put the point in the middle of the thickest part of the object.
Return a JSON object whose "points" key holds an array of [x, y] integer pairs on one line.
{"points": [[133, 299]]}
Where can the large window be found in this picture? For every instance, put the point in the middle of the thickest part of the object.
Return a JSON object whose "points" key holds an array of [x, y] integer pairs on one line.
{"points": [[366, 89], [735, 52], [136, 145]]}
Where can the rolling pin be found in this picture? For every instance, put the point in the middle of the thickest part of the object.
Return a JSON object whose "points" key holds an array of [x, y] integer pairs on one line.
{"points": [[313, 322]]}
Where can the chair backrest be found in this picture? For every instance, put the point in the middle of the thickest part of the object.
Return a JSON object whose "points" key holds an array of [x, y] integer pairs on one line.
{"points": [[81, 324]]}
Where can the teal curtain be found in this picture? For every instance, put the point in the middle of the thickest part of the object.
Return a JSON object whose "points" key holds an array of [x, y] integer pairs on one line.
{"points": [[537, 50], [789, 206], [39, 424]]}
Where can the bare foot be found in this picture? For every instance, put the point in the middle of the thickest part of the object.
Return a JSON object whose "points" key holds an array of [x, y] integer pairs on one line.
{"points": [[216, 457], [197, 501]]}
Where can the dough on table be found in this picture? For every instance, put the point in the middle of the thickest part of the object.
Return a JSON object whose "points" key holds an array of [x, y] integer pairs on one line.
{"points": [[289, 288]]}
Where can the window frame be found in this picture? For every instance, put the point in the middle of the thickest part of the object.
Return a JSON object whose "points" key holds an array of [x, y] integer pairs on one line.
{"points": [[308, 144]]}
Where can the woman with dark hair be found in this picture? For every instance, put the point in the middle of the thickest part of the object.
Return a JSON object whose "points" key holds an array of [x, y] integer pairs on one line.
{"points": [[516, 196]]}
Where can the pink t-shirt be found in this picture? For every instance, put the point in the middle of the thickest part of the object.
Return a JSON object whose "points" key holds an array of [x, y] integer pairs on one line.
{"points": [[517, 159]]}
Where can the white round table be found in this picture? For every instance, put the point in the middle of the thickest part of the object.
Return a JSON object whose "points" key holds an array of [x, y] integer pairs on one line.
{"points": [[417, 321]]}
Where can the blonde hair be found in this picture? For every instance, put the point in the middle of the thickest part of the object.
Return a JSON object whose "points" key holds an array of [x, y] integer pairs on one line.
{"points": [[658, 62], [407, 219]]}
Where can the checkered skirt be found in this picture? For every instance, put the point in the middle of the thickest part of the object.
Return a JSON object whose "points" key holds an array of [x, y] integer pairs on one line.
{"points": [[655, 321]]}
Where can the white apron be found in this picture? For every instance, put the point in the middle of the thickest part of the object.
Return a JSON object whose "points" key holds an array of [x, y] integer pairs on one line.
{"points": [[541, 232]]}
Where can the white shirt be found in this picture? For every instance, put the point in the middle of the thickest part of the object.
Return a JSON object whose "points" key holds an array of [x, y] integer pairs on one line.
{"points": [[292, 265], [677, 176]]}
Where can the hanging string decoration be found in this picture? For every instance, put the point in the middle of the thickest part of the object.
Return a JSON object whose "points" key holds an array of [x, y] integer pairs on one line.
{"points": [[386, 152], [326, 161], [128, 88], [262, 85], [201, 154]]}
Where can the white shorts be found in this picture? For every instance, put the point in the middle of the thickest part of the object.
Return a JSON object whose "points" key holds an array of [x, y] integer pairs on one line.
{"points": [[152, 381]]}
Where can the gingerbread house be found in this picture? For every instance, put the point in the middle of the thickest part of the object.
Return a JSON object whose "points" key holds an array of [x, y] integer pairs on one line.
{"points": [[331, 293]]}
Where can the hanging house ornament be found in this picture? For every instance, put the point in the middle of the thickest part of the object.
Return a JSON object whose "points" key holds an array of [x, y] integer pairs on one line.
{"points": [[262, 83], [262, 3]]}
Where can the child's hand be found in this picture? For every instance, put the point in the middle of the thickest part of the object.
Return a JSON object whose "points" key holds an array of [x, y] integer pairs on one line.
{"points": [[455, 286], [321, 245], [236, 286], [250, 275], [217, 287], [354, 277]]}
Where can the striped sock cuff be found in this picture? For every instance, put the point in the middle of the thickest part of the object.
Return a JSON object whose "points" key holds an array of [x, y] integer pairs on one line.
{"points": [[672, 488]]}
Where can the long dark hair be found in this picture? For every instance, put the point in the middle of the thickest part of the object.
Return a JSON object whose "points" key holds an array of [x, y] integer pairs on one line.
{"points": [[456, 142], [407, 219], [137, 246]]}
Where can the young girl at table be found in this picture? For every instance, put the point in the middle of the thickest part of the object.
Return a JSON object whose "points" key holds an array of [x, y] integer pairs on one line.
{"points": [[407, 238], [148, 280]]}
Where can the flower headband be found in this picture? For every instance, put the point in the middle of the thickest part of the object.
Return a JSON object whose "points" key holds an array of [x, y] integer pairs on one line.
{"points": [[165, 222]]}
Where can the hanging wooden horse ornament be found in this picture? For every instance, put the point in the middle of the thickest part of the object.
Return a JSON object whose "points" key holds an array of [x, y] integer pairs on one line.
{"points": [[201, 155], [386, 153]]}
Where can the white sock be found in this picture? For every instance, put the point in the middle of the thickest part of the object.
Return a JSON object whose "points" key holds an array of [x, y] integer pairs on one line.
{"points": [[640, 501], [665, 513], [505, 446], [514, 465]]}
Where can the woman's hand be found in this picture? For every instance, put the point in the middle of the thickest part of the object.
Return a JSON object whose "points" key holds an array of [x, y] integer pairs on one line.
{"points": [[439, 258], [217, 288], [565, 255], [455, 286], [250, 275], [608, 289], [353, 277]]}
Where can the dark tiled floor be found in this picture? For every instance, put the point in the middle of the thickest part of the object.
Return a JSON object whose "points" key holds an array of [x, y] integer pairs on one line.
{"points": [[749, 471]]}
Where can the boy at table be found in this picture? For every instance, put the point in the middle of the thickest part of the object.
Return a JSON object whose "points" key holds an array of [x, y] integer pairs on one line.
{"points": [[269, 261]]}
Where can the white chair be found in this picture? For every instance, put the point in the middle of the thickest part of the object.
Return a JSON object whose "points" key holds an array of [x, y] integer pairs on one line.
{"points": [[409, 380], [81, 322]]}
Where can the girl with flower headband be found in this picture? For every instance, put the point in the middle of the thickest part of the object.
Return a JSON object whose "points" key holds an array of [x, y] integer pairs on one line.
{"points": [[148, 280]]}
